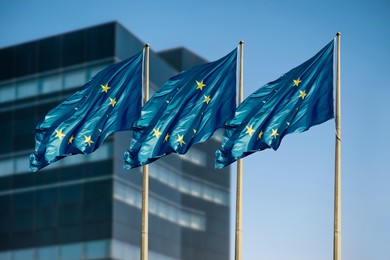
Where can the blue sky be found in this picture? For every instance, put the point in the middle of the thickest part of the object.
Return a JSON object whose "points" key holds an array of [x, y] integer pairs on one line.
{"points": [[288, 194]]}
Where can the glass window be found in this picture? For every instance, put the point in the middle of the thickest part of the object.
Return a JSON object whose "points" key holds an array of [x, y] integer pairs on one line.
{"points": [[7, 93], [47, 253], [49, 53], [22, 164], [73, 48], [25, 59], [70, 194], [74, 79], [130, 196], [196, 189], [51, 84], [7, 167], [119, 191], [208, 193], [71, 252], [195, 156], [184, 219], [46, 217], [5, 256], [6, 57], [97, 249], [185, 185], [100, 41], [27, 89], [23, 254]]}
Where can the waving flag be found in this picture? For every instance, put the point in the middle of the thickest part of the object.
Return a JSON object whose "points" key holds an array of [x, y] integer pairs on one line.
{"points": [[301, 98], [186, 110], [109, 102]]}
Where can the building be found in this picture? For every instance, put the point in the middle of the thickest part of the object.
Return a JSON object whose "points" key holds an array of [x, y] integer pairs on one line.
{"points": [[89, 207]]}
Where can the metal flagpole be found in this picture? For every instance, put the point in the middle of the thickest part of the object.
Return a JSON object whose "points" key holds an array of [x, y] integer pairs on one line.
{"points": [[337, 187], [145, 180], [238, 252]]}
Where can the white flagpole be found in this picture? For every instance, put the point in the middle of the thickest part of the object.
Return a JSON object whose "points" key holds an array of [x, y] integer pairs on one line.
{"points": [[337, 187], [238, 242], [145, 180]]}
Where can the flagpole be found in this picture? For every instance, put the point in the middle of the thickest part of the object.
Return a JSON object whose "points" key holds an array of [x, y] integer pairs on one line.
{"points": [[145, 179], [238, 241], [337, 188]]}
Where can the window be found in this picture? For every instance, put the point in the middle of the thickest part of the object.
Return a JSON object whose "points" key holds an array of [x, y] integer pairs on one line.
{"points": [[23, 254], [74, 79], [27, 89], [7, 93], [97, 249], [47, 253], [71, 252], [51, 84]]}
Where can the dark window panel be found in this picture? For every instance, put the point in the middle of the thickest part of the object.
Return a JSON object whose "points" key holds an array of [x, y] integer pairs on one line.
{"points": [[22, 220], [100, 42], [70, 194], [5, 183], [5, 202], [46, 217], [98, 169], [73, 49], [46, 197], [45, 237], [23, 200], [98, 190], [69, 234], [26, 59], [70, 214], [46, 177], [97, 211], [95, 231], [22, 240], [5, 223], [23, 181], [5, 242], [49, 53], [7, 63]]}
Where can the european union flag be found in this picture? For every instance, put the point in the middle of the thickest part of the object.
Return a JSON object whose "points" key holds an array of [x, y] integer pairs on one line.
{"points": [[301, 98], [186, 110], [109, 102]]}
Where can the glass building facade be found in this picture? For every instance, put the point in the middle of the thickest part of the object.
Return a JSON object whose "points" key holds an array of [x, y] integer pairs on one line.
{"points": [[89, 207]]}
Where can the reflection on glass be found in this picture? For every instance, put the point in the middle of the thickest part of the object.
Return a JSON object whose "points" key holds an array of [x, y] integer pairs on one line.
{"points": [[71, 252]]}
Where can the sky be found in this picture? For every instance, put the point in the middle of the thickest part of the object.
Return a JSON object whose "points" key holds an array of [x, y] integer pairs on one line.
{"points": [[288, 193]]}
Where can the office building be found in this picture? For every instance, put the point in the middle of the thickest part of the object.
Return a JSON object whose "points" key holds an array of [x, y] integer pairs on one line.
{"points": [[89, 207]]}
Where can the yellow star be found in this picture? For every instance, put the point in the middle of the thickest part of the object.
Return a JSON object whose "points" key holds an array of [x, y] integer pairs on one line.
{"points": [[207, 99], [194, 132], [112, 102], [88, 140], [200, 85], [59, 134], [302, 94], [249, 130], [296, 82], [274, 133], [100, 131], [260, 135], [288, 124], [166, 137], [180, 139], [71, 139], [156, 132], [105, 88]]}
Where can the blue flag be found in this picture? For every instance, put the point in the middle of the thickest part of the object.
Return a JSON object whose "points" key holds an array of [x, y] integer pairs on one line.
{"points": [[301, 98], [109, 102], [186, 110]]}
